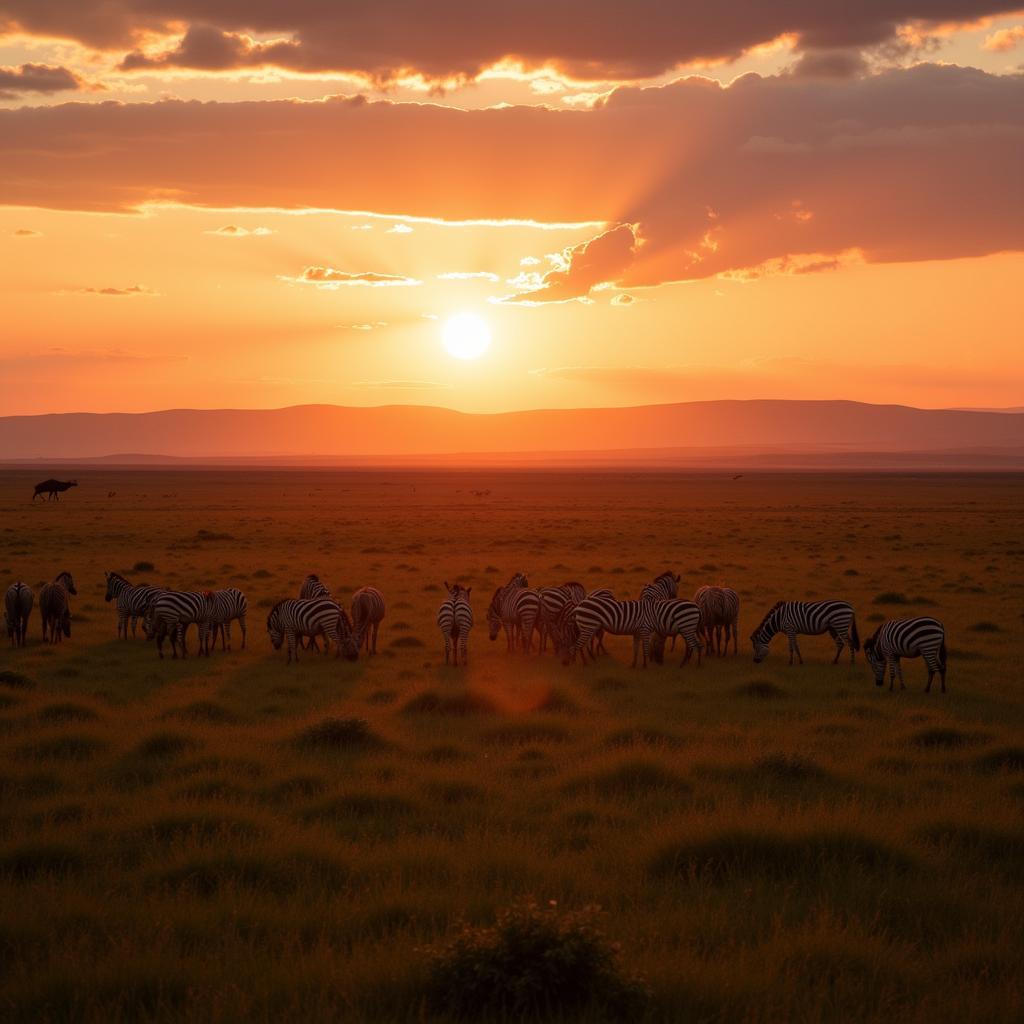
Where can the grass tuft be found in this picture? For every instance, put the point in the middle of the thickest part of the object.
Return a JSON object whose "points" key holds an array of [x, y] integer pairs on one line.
{"points": [[431, 703], [203, 711], [339, 734], [535, 963], [16, 681], [760, 690], [67, 712], [1005, 759], [39, 859]]}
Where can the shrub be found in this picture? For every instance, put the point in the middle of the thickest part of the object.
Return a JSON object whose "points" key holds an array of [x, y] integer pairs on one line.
{"points": [[890, 597], [15, 680], [533, 963], [143, 567], [984, 627], [339, 734]]}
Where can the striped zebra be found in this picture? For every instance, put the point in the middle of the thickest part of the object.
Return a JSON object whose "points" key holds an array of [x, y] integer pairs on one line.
{"points": [[554, 604], [621, 618], [575, 590], [171, 613], [18, 603], [807, 619], [131, 601], [662, 587], [922, 637], [367, 613], [720, 607], [672, 617], [291, 618], [228, 605], [455, 620], [312, 587], [514, 608], [55, 608]]}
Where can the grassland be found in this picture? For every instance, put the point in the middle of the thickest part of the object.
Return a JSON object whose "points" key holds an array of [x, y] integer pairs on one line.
{"points": [[189, 839]]}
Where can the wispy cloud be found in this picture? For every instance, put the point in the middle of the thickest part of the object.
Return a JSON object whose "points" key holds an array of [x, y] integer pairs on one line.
{"points": [[129, 291], [235, 231], [400, 229], [26, 233], [468, 275], [328, 277]]}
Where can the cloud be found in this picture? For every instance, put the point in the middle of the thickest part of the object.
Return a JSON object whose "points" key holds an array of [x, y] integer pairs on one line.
{"points": [[234, 231], [449, 40], [1004, 39], [830, 64], [622, 299], [400, 229], [375, 325], [26, 233], [38, 78], [468, 275], [690, 180], [328, 277], [131, 290], [581, 267]]}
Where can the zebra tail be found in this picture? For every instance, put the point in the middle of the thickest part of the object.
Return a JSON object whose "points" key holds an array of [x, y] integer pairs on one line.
{"points": [[854, 637]]}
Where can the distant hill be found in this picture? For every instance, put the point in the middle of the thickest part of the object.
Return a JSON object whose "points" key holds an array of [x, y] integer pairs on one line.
{"points": [[745, 431]]}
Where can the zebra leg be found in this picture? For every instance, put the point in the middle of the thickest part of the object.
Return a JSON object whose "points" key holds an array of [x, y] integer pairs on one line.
{"points": [[899, 670], [839, 636], [464, 647], [636, 649], [241, 624], [448, 649], [293, 653], [645, 643]]}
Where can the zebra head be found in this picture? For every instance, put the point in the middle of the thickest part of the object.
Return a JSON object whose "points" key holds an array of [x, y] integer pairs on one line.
{"points": [[274, 626], [875, 660], [110, 577], [760, 648], [349, 642], [494, 615], [69, 584]]}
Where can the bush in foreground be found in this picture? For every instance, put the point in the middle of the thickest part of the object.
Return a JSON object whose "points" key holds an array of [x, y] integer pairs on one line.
{"points": [[534, 963]]}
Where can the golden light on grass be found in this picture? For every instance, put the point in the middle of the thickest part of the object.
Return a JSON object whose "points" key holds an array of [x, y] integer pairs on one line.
{"points": [[466, 336]]}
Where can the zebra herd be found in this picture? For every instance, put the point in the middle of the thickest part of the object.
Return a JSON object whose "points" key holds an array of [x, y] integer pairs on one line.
{"points": [[567, 617]]}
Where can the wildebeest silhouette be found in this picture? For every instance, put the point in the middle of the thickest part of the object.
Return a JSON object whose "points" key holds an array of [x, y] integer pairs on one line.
{"points": [[53, 488]]}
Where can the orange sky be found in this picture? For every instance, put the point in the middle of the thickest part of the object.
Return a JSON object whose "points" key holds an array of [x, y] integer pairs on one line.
{"points": [[211, 205]]}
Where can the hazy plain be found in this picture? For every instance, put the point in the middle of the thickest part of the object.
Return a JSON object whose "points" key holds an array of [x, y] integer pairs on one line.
{"points": [[184, 839]]}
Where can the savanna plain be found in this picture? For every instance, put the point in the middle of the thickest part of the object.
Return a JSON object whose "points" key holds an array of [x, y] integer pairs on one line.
{"points": [[232, 838]]}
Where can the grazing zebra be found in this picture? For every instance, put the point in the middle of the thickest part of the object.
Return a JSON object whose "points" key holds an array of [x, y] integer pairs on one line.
{"points": [[455, 620], [554, 602], [131, 601], [720, 607], [290, 619], [922, 637], [228, 605], [672, 617], [53, 488], [809, 619], [18, 603], [575, 590], [662, 587], [622, 618], [367, 612], [516, 609], [55, 608], [171, 612], [312, 587]]}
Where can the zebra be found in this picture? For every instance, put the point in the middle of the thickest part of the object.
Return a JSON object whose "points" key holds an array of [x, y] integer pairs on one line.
{"points": [[313, 587], [53, 489], [810, 619], [455, 620], [55, 608], [291, 618], [672, 617], [367, 612], [720, 607], [514, 608], [18, 603], [131, 601], [622, 618], [575, 590], [228, 605], [923, 637], [554, 603], [171, 612], [662, 587]]}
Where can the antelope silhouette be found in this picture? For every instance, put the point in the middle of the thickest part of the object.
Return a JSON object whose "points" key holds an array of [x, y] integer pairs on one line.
{"points": [[53, 488]]}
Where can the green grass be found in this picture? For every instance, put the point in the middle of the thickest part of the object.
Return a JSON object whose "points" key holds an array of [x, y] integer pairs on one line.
{"points": [[233, 838]]}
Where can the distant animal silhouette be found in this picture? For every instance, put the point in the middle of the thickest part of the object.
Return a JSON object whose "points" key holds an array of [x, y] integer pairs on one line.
{"points": [[18, 603], [737, 476], [53, 488]]}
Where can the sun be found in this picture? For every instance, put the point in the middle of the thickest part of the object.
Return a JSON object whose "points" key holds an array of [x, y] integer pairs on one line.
{"points": [[466, 336]]}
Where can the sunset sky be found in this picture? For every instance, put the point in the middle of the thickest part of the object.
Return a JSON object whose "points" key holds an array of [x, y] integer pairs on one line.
{"points": [[209, 203]]}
